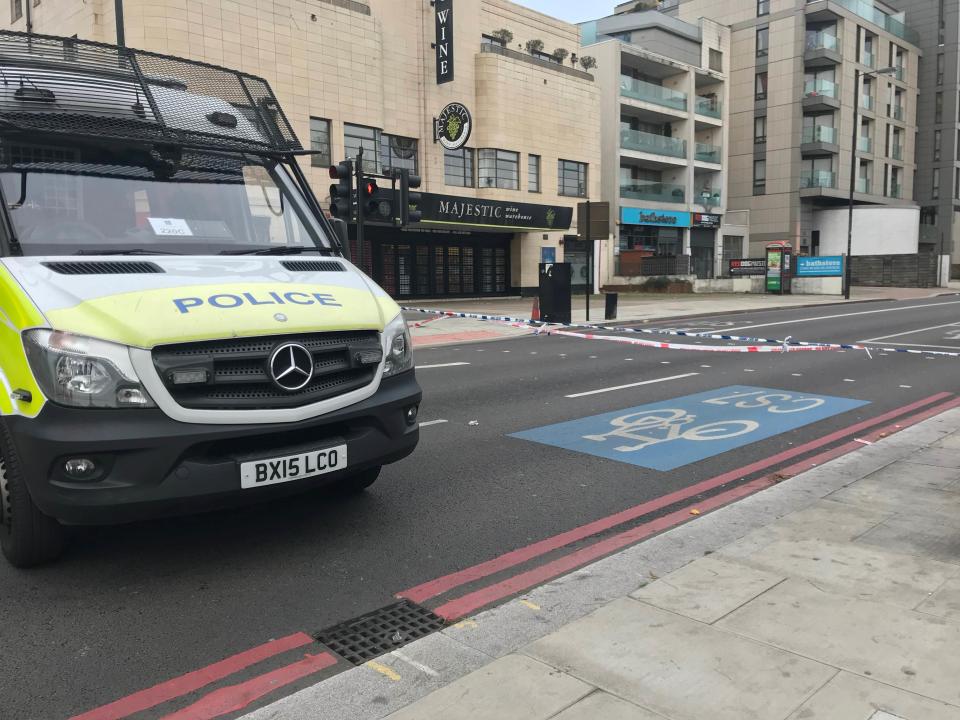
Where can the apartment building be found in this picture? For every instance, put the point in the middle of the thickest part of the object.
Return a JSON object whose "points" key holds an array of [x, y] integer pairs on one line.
{"points": [[375, 74], [794, 65], [665, 133]]}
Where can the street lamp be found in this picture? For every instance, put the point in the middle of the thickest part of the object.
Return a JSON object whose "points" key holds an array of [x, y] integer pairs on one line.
{"points": [[848, 273]]}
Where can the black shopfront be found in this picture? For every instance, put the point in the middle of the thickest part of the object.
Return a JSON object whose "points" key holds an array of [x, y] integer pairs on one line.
{"points": [[463, 247]]}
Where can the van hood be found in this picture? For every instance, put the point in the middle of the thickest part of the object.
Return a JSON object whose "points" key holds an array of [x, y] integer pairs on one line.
{"points": [[149, 301]]}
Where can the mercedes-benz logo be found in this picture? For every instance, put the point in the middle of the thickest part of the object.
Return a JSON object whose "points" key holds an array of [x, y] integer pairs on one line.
{"points": [[291, 367]]}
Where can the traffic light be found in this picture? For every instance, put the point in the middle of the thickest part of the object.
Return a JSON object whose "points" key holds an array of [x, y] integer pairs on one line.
{"points": [[409, 199], [377, 205], [341, 193]]}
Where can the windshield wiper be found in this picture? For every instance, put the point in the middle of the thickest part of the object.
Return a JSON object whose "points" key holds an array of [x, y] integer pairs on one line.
{"points": [[278, 250], [129, 251]]}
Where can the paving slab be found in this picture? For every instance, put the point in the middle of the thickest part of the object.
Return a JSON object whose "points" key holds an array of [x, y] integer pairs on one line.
{"points": [[949, 442], [918, 534], [515, 687], [886, 494], [915, 652], [602, 706], [678, 667], [707, 589], [943, 457], [945, 602], [915, 474], [865, 572], [851, 697]]}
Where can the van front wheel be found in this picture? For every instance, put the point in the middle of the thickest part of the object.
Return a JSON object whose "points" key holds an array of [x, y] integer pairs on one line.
{"points": [[359, 482], [27, 536]]}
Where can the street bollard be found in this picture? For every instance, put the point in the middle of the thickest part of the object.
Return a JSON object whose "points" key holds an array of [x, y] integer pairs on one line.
{"points": [[610, 311]]}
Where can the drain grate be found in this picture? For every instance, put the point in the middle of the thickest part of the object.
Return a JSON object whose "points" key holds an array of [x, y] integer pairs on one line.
{"points": [[377, 633]]}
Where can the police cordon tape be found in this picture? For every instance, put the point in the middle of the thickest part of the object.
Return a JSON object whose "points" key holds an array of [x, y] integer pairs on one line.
{"points": [[785, 345]]}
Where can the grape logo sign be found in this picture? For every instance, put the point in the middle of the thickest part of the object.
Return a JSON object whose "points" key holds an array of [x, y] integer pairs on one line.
{"points": [[685, 430], [453, 127]]}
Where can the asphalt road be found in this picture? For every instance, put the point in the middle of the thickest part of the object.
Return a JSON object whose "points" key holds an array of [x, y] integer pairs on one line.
{"points": [[129, 607]]}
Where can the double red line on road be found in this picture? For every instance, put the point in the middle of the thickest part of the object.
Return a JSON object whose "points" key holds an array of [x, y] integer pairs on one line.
{"points": [[461, 606]]}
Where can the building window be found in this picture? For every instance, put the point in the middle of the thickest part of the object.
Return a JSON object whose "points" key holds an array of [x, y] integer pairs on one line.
{"points": [[458, 167], [938, 108], [499, 169], [16, 10], [941, 64], [760, 129], [956, 183], [763, 7], [320, 142], [399, 153], [763, 42], [533, 173], [935, 193], [759, 177], [490, 40], [937, 142], [571, 178], [761, 86], [368, 138], [716, 60]]}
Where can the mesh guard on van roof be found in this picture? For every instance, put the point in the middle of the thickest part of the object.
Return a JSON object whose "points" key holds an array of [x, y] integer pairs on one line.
{"points": [[75, 88]]}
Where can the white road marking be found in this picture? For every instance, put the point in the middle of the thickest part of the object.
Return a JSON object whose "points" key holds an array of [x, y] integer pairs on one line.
{"points": [[414, 664], [906, 387], [441, 365], [664, 362], [748, 370], [843, 315], [636, 384], [433, 422], [797, 374], [705, 366], [910, 332], [848, 380]]}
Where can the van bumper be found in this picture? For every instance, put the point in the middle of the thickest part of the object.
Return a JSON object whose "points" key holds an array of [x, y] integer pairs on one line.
{"points": [[151, 466]]}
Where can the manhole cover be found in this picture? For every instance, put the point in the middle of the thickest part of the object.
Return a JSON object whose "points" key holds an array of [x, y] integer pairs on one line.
{"points": [[379, 632]]}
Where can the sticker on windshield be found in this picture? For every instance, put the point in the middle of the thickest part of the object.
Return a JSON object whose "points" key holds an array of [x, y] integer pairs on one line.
{"points": [[170, 226]]}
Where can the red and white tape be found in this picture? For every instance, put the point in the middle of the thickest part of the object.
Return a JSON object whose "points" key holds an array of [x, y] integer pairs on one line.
{"points": [[695, 348]]}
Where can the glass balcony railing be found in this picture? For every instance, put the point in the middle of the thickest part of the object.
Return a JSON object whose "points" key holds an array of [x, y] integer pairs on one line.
{"points": [[869, 12], [868, 59], [819, 134], [896, 191], [821, 88], [652, 191], [651, 143], [818, 179], [897, 112], [710, 107], [867, 102], [656, 94], [896, 152], [864, 186], [708, 153], [865, 144], [822, 41], [901, 73]]}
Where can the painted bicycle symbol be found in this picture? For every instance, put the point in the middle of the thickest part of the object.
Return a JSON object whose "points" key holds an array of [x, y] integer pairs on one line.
{"points": [[659, 426]]}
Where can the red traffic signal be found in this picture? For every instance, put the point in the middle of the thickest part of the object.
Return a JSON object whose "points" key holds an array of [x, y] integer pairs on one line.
{"points": [[369, 188], [341, 171]]}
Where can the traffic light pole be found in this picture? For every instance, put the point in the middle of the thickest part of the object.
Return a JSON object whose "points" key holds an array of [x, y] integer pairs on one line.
{"points": [[359, 171]]}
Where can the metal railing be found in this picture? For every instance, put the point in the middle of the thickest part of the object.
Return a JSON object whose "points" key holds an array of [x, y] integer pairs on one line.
{"points": [[820, 133], [630, 263], [708, 153], [656, 94], [650, 143], [821, 88], [710, 107], [818, 179], [653, 191]]}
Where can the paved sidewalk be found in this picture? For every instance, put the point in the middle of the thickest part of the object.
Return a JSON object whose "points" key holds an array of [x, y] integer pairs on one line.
{"points": [[833, 595]]}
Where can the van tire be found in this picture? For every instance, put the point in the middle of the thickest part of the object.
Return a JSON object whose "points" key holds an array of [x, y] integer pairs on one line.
{"points": [[27, 536], [358, 483]]}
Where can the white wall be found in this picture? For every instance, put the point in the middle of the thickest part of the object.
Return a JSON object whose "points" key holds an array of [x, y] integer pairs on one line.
{"points": [[876, 230]]}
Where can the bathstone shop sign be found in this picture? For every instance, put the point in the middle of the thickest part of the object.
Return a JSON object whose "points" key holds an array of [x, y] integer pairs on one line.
{"points": [[452, 210], [452, 128], [661, 218], [443, 10]]}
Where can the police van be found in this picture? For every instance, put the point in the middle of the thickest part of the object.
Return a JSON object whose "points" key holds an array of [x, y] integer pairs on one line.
{"points": [[180, 326]]}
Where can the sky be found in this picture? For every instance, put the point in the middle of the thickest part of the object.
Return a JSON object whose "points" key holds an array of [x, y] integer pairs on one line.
{"points": [[573, 10]]}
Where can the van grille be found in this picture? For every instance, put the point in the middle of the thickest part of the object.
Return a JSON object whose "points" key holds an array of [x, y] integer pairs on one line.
{"points": [[237, 372]]}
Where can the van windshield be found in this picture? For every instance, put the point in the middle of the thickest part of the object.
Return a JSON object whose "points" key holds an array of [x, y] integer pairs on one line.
{"points": [[65, 201]]}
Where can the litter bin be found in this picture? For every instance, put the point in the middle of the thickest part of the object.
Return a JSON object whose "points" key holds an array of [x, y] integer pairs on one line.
{"points": [[555, 292], [610, 310]]}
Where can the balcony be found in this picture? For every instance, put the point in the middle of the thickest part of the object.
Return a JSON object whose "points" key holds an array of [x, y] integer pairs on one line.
{"points": [[708, 153], [867, 10], [653, 191], [901, 73], [864, 186], [896, 191], [645, 142], [710, 107], [821, 95], [868, 59], [868, 103], [655, 94], [822, 49], [819, 140], [897, 112], [818, 179], [896, 151], [865, 144]]}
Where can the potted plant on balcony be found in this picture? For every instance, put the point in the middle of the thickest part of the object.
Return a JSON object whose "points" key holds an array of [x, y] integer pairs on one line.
{"points": [[504, 36], [588, 62], [560, 54], [534, 46]]}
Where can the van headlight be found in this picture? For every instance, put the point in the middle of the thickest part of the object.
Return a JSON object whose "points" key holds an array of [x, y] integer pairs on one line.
{"points": [[79, 371], [399, 356]]}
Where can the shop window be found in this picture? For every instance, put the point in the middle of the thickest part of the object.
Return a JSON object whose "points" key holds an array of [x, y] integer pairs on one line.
{"points": [[499, 169], [571, 178]]}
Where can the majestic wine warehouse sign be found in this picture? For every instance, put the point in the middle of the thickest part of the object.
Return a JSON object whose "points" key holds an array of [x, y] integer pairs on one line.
{"points": [[444, 42]]}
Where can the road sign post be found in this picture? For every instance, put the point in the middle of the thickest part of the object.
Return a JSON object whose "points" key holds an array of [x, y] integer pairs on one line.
{"points": [[593, 223]]}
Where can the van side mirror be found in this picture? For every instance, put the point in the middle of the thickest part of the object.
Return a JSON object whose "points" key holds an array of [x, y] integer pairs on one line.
{"points": [[340, 227]]}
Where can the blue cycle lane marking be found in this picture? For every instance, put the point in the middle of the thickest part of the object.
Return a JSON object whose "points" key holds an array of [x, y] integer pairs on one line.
{"points": [[673, 433]]}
